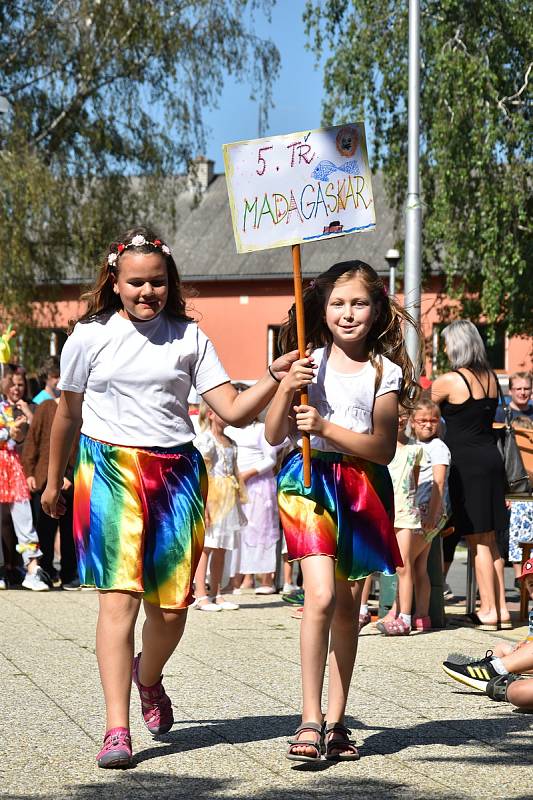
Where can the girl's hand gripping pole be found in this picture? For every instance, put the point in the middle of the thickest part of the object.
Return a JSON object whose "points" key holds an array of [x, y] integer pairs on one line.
{"points": [[300, 328]]}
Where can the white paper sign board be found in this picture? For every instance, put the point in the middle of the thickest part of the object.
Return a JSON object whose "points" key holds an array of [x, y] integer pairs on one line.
{"points": [[300, 187]]}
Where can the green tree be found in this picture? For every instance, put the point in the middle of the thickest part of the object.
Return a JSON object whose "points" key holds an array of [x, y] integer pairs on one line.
{"points": [[100, 93], [476, 137]]}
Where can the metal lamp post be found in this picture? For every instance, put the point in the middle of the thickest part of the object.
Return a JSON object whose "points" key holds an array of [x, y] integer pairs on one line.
{"points": [[413, 211], [413, 269], [392, 258], [388, 584], [412, 289]]}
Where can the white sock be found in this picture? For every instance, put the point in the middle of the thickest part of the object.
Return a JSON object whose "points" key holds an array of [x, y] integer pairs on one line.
{"points": [[406, 618], [363, 609], [498, 665]]}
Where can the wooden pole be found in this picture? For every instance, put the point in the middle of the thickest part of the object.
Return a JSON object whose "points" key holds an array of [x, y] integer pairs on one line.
{"points": [[302, 344]]}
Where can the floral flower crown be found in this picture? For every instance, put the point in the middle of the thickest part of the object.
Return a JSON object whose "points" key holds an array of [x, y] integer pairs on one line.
{"points": [[137, 241]]}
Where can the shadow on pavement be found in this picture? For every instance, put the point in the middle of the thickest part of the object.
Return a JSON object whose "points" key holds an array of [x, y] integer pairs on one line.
{"points": [[207, 732], [159, 786], [265, 604], [500, 734], [497, 733]]}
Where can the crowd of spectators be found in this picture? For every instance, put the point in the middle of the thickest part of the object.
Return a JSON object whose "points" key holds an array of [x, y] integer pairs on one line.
{"points": [[35, 551], [464, 401]]}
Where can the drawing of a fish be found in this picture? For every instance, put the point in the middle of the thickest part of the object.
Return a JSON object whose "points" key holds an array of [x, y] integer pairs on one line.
{"points": [[324, 169]]}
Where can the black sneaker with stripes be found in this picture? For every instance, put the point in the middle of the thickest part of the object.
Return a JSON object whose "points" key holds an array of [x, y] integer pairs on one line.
{"points": [[476, 674]]}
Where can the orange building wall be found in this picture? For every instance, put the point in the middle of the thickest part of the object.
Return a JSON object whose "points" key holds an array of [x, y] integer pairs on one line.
{"points": [[519, 354], [236, 316], [238, 323]]}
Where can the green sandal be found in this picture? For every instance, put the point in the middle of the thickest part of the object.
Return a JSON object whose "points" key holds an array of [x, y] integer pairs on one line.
{"points": [[497, 687], [347, 747], [315, 727]]}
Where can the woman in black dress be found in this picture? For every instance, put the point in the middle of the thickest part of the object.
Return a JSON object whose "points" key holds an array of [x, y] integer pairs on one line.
{"points": [[468, 398]]}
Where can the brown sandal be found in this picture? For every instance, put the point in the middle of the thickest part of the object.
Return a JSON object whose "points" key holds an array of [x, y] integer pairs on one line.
{"points": [[349, 751], [315, 727]]}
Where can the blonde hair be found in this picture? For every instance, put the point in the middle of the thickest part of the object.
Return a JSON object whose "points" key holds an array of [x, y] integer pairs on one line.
{"points": [[385, 338], [203, 420], [426, 403], [522, 376]]}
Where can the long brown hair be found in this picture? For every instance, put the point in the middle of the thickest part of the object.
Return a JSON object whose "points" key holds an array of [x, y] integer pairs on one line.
{"points": [[102, 300], [386, 336]]}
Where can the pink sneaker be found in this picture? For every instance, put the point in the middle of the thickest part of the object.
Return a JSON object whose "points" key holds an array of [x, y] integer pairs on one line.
{"points": [[116, 750], [364, 619], [156, 705], [395, 627], [380, 624], [423, 623]]}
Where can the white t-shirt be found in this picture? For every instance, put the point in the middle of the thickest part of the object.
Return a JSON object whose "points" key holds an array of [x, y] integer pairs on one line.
{"points": [[348, 399], [136, 377], [254, 452], [435, 452]]}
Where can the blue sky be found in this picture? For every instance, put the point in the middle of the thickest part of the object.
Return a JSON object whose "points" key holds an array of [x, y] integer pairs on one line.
{"points": [[297, 92]]}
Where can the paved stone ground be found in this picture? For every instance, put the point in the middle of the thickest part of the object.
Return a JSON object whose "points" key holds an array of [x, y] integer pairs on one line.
{"points": [[235, 687]]}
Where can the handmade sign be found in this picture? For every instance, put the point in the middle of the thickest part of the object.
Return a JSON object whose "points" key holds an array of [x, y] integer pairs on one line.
{"points": [[301, 187]]}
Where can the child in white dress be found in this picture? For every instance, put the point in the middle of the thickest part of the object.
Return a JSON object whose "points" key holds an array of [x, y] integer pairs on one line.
{"points": [[224, 515], [257, 546]]}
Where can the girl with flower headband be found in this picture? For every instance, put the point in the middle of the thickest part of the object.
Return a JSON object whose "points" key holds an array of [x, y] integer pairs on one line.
{"points": [[342, 527], [140, 484]]}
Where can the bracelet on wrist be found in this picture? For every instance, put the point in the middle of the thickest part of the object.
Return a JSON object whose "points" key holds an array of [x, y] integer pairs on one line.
{"points": [[272, 374]]}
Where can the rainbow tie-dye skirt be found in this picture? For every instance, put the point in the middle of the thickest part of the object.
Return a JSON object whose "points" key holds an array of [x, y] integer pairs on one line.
{"points": [[139, 519], [347, 513]]}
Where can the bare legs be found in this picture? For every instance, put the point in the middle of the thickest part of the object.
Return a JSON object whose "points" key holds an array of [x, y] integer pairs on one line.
{"points": [[413, 575], [247, 581], [216, 568], [319, 579], [331, 614], [520, 660], [501, 603], [287, 570], [114, 651], [265, 579], [488, 566], [343, 647], [162, 631], [520, 694], [365, 592]]}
